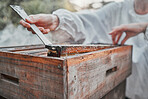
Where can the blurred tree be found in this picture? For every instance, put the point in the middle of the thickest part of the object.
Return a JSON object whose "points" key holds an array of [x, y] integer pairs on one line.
{"points": [[7, 15], [69, 6]]}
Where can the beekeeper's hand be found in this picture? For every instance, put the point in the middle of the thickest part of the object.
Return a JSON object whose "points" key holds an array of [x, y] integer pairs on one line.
{"points": [[130, 30], [45, 22]]}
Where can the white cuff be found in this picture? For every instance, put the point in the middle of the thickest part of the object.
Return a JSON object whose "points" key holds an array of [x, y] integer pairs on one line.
{"points": [[61, 17], [146, 34], [60, 21]]}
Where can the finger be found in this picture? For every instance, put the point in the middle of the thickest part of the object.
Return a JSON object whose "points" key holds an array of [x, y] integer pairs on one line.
{"points": [[25, 24], [118, 38], [33, 32], [124, 40], [29, 29], [117, 29], [113, 32], [46, 31], [41, 29], [113, 38]]}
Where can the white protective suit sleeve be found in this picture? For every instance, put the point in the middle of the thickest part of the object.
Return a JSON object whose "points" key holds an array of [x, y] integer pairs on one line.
{"points": [[86, 26]]}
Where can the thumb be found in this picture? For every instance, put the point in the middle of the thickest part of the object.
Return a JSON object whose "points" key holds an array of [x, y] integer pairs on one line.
{"points": [[32, 19]]}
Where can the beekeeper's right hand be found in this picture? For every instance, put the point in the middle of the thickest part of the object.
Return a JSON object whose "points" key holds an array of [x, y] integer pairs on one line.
{"points": [[45, 22]]}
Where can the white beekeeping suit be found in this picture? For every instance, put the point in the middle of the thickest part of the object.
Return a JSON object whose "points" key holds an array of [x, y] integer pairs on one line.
{"points": [[94, 27]]}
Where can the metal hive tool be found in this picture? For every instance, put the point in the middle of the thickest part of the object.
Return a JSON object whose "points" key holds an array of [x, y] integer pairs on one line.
{"points": [[58, 50]]}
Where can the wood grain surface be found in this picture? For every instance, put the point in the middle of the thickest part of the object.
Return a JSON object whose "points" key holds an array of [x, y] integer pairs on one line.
{"points": [[87, 74], [26, 72]]}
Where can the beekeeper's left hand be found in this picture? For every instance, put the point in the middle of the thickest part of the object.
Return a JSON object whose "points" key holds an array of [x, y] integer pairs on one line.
{"points": [[130, 30]]}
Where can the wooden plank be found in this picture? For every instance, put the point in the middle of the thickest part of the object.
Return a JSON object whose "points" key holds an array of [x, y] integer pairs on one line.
{"points": [[87, 77], [39, 77]]}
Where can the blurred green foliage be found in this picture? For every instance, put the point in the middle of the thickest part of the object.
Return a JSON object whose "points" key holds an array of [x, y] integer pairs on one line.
{"points": [[7, 15]]}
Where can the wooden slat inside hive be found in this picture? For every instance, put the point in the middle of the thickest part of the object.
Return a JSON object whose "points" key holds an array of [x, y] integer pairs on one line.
{"points": [[21, 48], [67, 50], [63, 50]]}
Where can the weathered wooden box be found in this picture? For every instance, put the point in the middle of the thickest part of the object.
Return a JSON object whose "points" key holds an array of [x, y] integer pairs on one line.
{"points": [[26, 72]]}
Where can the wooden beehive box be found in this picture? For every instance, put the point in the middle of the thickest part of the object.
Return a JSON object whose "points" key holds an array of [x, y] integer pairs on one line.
{"points": [[26, 72]]}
